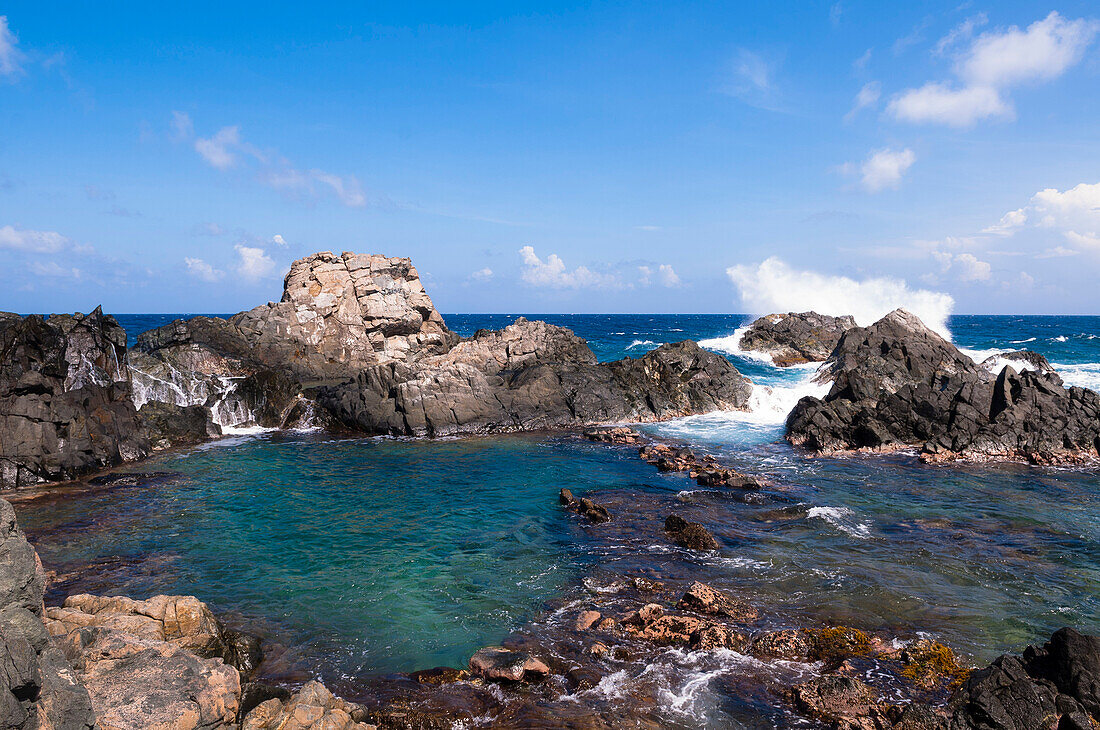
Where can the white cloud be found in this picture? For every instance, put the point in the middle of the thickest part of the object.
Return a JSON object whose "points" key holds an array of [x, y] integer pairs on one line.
{"points": [[254, 264], [1088, 240], [278, 240], [11, 59], [552, 273], [773, 286], [55, 270], [648, 229], [1042, 52], [971, 268], [22, 239], [1009, 222], [182, 128], [943, 104], [346, 188], [218, 151], [861, 62], [482, 274], [668, 276], [202, 270], [885, 168], [868, 96], [995, 62], [964, 31], [1056, 253], [752, 79]]}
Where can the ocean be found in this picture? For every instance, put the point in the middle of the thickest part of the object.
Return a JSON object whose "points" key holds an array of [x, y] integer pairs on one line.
{"points": [[366, 556]]}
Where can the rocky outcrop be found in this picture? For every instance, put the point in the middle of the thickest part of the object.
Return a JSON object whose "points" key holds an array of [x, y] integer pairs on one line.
{"points": [[795, 338], [311, 708], [38, 688], [1019, 359], [533, 375], [167, 424], [898, 384], [1055, 686], [65, 406]]}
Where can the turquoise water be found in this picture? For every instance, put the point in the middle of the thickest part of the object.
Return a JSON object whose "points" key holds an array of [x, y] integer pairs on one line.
{"points": [[368, 556]]}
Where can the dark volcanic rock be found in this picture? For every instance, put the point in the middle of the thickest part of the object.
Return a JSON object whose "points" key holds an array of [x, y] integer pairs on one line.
{"points": [[1028, 359], [794, 338], [37, 688], [65, 406], [690, 535], [166, 424], [898, 384], [583, 506], [532, 375]]}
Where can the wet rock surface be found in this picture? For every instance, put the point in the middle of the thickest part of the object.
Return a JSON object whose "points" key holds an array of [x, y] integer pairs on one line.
{"points": [[585, 507], [506, 665], [897, 384], [65, 407], [795, 338], [690, 535]]}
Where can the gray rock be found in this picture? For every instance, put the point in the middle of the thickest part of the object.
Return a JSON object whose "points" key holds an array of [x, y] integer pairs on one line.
{"points": [[38, 688], [65, 406], [898, 384], [167, 424], [532, 375], [795, 338]]}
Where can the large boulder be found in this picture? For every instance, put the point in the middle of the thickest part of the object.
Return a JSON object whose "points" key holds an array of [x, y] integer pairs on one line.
{"points": [[312, 708], [795, 338], [65, 407], [533, 375], [898, 384], [38, 688]]}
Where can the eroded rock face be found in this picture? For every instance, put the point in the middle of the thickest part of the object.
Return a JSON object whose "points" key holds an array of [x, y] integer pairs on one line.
{"points": [[65, 407], [795, 338], [38, 688], [898, 384], [533, 375]]}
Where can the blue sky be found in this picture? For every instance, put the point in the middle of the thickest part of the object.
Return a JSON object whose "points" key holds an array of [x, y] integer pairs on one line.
{"points": [[692, 157]]}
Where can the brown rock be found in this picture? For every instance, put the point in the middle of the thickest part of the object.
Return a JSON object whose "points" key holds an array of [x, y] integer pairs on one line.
{"points": [[587, 619], [439, 675], [690, 535], [793, 644], [498, 663], [716, 636], [613, 435], [312, 708], [670, 629], [702, 598], [645, 615], [844, 703]]}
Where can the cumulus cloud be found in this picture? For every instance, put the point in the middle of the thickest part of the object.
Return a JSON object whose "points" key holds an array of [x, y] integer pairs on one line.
{"points": [[253, 263], [202, 270], [23, 239], [1073, 213], [993, 63], [278, 240], [11, 59], [883, 169], [553, 273], [226, 148], [971, 268], [773, 286], [668, 276], [482, 274]]}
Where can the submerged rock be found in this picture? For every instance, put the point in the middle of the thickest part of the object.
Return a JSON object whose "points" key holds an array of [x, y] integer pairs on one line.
{"points": [[65, 407], [898, 384], [38, 688], [690, 535], [498, 663], [793, 338]]}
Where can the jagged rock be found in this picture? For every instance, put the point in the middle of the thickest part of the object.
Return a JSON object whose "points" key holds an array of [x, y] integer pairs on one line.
{"points": [[38, 688], [844, 703], [167, 424], [690, 535], [584, 506], [794, 338], [1027, 359], [532, 375], [65, 407], [702, 598], [498, 663], [898, 384], [312, 708]]}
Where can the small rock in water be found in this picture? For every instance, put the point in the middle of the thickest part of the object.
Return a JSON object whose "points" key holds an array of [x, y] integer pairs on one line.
{"points": [[584, 506], [439, 675], [645, 615], [716, 636], [793, 644], [498, 663], [587, 620], [690, 535], [614, 435], [704, 599]]}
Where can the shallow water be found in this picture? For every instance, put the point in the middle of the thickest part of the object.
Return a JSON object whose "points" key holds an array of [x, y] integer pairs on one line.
{"points": [[368, 556]]}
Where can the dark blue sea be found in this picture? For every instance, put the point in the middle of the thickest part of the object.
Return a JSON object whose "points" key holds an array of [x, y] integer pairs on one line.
{"points": [[368, 556]]}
